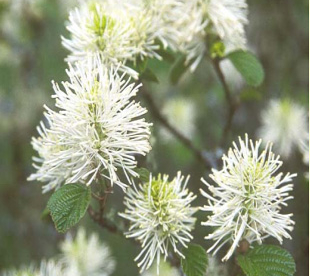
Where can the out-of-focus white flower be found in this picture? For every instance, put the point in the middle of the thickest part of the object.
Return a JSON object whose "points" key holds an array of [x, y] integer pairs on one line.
{"points": [[248, 198], [180, 26], [284, 123], [47, 268], [228, 18], [86, 256], [118, 30], [182, 114], [97, 130], [164, 268], [304, 148], [21, 272], [161, 216], [186, 24], [50, 268], [215, 268]]}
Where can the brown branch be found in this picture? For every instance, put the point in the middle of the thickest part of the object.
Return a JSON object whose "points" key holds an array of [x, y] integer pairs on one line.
{"points": [[199, 155], [233, 103], [104, 222]]}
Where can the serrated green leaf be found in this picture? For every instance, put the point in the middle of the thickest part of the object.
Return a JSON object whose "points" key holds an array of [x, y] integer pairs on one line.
{"points": [[68, 205], [248, 66], [148, 75], [267, 260], [177, 70], [144, 174], [195, 262]]}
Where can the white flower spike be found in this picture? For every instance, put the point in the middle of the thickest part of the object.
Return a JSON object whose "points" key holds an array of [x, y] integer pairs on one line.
{"points": [[86, 256], [50, 268], [161, 216], [228, 18], [46, 268], [97, 130], [116, 30], [248, 198], [284, 123], [188, 23]]}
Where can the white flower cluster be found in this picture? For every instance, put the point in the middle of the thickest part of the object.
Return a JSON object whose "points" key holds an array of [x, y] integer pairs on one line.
{"points": [[82, 256], [192, 21], [248, 198], [284, 123], [304, 148], [160, 216], [126, 31], [86, 256], [96, 131], [228, 18], [47, 268], [118, 31]]}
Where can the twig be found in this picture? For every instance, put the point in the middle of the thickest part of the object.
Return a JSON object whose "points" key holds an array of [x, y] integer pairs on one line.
{"points": [[232, 102], [104, 222], [186, 142]]}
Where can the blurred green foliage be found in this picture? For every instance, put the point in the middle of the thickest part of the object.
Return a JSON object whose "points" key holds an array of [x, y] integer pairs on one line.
{"points": [[31, 56]]}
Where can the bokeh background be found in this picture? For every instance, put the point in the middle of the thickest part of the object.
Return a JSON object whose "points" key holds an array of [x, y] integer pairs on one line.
{"points": [[31, 56]]}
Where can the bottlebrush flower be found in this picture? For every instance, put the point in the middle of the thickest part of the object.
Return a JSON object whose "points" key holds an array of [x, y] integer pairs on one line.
{"points": [[47, 268], [86, 256], [284, 123], [228, 18], [117, 30], [97, 130], [304, 148], [160, 217], [50, 268], [188, 23], [248, 197]]}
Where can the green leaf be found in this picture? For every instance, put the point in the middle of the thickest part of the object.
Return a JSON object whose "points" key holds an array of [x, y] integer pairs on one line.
{"points": [[68, 205], [144, 174], [177, 70], [148, 75], [195, 262], [45, 213], [248, 66], [267, 260]]}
